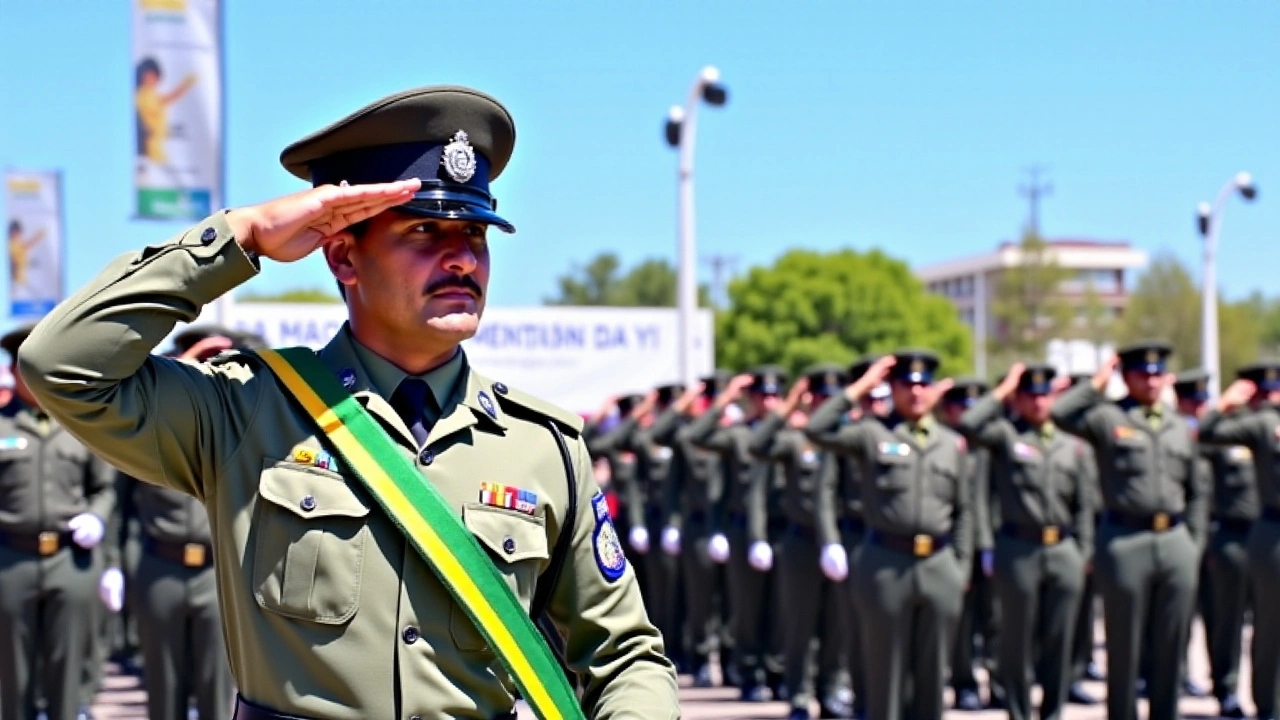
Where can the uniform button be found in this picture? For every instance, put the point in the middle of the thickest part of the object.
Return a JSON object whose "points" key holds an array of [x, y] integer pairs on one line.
{"points": [[308, 503], [500, 388], [426, 456], [208, 235], [410, 635], [416, 717], [509, 545]]}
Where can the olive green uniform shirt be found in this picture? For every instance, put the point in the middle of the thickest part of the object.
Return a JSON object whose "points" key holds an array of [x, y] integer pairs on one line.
{"points": [[1043, 477], [330, 613], [801, 463], [915, 475], [695, 480], [47, 476], [1257, 430], [1147, 458]]}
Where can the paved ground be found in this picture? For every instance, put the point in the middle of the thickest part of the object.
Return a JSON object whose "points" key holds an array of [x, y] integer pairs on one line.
{"points": [[123, 699]]}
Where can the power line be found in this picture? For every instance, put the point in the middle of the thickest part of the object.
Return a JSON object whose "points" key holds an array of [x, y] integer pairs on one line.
{"points": [[720, 266]]}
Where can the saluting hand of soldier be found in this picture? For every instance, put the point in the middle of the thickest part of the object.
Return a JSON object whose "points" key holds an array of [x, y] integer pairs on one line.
{"points": [[1010, 382], [1103, 376], [872, 378], [933, 395], [289, 228], [1237, 394]]}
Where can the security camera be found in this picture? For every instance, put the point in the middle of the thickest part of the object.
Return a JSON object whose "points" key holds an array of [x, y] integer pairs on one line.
{"points": [[675, 118], [1244, 181], [1202, 217]]}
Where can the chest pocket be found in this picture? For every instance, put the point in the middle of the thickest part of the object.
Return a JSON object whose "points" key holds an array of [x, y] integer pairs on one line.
{"points": [[1129, 455], [517, 544], [309, 552], [944, 473], [893, 466]]}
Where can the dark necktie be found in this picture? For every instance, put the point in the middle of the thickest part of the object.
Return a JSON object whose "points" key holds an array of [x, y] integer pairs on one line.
{"points": [[410, 403]]}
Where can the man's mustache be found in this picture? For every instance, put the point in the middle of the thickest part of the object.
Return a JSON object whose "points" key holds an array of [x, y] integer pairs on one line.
{"points": [[462, 282]]}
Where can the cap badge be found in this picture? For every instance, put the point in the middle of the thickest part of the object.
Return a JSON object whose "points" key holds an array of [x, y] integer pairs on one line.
{"points": [[1271, 375], [459, 160], [917, 366], [1037, 377], [973, 391], [1153, 356], [1201, 385]]}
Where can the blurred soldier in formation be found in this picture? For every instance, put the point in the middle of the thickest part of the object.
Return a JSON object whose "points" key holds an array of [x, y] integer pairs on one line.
{"points": [[1248, 414], [979, 620], [1223, 573], [694, 492], [1153, 525], [1043, 481], [809, 602], [55, 500], [750, 580], [623, 484], [910, 574]]}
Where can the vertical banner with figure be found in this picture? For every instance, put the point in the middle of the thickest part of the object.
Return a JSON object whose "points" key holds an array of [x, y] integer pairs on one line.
{"points": [[177, 94], [33, 206]]}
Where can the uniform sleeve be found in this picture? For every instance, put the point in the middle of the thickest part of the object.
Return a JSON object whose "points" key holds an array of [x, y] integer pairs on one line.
{"points": [[962, 517], [665, 427], [89, 362], [1077, 411], [757, 502], [705, 432], [980, 487], [677, 476], [118, 527], [765, 443], [984, 424], [1236, 428], [609, 639], [827, 430], [1199, 491], [824, 503], [1087, 498], [100, 487], [612, 441]]}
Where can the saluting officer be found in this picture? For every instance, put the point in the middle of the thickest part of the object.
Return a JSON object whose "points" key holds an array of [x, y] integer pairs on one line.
{"points": [[334, 609], [55, 499], [841, 525], [622, 472], [1248, 414], [1043, 480], [910, 574], [1153, 525], [809, 602], [1082, 665], [1224, 571], [979, 618], [695, 488], [749, 562]]}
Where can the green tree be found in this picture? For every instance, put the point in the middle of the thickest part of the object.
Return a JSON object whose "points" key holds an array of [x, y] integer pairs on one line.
{"points": [[1267, 312], [1165, 305], [601, 281], [297, 295], [1027, 304], [833, 307]]}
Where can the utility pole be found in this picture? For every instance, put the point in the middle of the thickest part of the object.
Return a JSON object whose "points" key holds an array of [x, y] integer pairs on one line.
{"points": [[1034, 191], [719, 265]]}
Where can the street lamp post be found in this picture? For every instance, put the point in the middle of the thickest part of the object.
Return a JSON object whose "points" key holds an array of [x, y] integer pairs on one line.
{"points": [[681, 129], [1210, 221]]}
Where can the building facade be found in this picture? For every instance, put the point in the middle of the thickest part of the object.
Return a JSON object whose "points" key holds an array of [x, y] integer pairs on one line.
{"points": [[971, 283]]}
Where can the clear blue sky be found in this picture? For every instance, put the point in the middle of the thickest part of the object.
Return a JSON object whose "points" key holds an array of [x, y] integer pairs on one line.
{"points": [[904, 126]]}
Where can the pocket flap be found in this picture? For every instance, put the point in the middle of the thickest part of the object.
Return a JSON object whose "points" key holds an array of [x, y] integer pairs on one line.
{"points": [[310, 492], [510, 535]]}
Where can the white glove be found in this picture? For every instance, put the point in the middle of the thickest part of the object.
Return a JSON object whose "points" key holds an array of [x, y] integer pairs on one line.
{"points": [[111, 589], [718, 548], [760, 556], [671, 541], [640, 540], [835, 562], [86, 530]]}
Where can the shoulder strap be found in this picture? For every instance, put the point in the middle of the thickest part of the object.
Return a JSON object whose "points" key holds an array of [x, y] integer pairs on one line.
{"points": [[432, 528]]}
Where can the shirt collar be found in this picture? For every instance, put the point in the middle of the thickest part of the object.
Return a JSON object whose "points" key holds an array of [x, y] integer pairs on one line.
{"points": [[386, 377]]}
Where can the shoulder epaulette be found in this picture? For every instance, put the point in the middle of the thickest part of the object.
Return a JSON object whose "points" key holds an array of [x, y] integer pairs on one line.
{"points": [[522, 404]]}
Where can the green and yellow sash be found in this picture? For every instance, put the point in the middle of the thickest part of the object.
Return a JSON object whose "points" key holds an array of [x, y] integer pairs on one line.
{"points": [[433, 528]]}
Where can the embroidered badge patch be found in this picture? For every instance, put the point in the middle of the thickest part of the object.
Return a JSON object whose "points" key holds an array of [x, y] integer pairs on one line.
{"points": [[1123, 432], [610, 557], [16, 442], [1024, 450], [348, 378], [511, 498], [895, 448]]}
